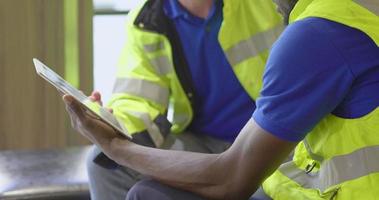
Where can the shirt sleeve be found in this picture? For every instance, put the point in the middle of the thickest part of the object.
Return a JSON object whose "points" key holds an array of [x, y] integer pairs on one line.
{"points": [[306, 77]]}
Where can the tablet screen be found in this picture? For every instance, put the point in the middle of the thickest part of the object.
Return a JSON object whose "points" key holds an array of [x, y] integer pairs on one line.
{"points": [[62, 85]]}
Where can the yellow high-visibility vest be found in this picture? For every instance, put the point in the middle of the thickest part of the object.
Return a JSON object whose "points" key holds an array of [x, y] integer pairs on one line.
{"points": [[147, 80], [339, 158]]}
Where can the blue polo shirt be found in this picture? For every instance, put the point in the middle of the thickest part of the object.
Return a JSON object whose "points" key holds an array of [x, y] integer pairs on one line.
{"points": [[222, 105], [317, 67]]}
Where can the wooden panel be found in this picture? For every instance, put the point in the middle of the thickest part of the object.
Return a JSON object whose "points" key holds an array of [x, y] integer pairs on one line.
{"points": [[31, 112]]}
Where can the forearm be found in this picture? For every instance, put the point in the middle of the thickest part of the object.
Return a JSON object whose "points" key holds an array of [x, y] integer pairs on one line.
{"points": [[234, 174], [203, 174]]}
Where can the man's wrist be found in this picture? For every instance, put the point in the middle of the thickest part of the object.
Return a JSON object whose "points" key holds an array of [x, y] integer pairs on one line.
{"points": [[118, 149]]}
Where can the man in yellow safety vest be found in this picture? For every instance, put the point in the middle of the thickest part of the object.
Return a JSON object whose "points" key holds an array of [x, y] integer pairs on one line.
{"points": [[194, 63], [319, 97]]}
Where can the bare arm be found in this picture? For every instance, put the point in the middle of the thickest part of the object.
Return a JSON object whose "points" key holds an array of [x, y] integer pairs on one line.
{"points": [[234, 174]]}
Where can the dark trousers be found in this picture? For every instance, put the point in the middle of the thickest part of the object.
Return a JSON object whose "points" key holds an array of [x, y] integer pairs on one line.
{"points": [[153, 190]]}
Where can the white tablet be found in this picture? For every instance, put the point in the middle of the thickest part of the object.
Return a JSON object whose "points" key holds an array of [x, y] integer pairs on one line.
{"points": [[63, 86]]}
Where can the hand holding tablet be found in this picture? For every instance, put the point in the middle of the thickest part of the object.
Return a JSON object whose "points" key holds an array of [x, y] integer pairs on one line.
{"points": [[94, 108]]}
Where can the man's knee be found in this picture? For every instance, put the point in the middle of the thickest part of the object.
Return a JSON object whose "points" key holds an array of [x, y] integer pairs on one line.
{"points": [[143, 190], [153, 190], [91, 166], [94, 170]]}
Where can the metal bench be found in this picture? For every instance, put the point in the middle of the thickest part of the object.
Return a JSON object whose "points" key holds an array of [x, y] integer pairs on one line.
{"points": [[57, 174]]}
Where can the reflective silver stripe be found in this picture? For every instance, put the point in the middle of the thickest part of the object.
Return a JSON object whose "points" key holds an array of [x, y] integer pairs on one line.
{"points": [[336, 170], [151, 127], [161, 64], [310, 152], [153, 47], [143, 88], [371, 5], [180, 118], [174, 117], [170, 112], [253, 46]]}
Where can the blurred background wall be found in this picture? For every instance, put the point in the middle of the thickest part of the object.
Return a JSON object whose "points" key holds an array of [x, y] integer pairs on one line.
{"points": [[79, 39], [59, 33]]}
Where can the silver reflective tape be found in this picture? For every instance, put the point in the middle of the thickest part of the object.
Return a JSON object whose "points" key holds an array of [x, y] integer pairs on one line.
{"points": [[151, 127], [310, 152], [180, 118], [142, 88], [161, 64], [170, 112], [336, 170], [371, 5], [253, 46], [175, 117], [153, 47]]}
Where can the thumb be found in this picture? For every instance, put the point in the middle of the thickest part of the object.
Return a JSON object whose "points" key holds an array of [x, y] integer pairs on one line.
{"points": [[74, 105]]}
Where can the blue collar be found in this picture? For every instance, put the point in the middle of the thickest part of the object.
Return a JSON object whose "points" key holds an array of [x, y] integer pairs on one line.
{"points": [[173, 9]]}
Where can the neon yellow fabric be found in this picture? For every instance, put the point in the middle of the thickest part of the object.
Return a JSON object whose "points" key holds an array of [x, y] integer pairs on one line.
{"points": [[138, 56], [254, 18], [333, 137], [362, 18]]}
